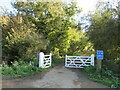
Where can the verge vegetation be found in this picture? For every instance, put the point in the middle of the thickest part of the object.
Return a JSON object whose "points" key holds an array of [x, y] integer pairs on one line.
{"points": [[106, 77], [51, 26], [20, 68]]}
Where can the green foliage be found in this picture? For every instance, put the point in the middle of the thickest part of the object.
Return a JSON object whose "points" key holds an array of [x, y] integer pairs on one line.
{"points": [[106, 77], [103, 33], [19, 39], [56, 61], [42, 25], [24, 68], [81, 45], [53, 20], [21, 69], [39, 25], [114, 63]]}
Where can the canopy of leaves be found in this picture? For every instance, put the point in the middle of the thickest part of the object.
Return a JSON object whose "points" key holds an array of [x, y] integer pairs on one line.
{"points": [[19, 41], [41, 25], [54, 20], [104, 31]]}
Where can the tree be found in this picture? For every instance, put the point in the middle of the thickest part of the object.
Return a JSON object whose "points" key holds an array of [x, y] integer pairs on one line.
{"points": [[104, 29], [19, 40], [53, 20]]}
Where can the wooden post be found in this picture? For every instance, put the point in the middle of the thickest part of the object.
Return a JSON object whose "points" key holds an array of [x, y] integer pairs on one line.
{"points": [[99, 60], [99, 65]]}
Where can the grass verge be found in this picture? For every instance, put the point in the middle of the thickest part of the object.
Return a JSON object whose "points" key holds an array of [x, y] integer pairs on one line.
{"points": [[20, 68], [105, 77]]}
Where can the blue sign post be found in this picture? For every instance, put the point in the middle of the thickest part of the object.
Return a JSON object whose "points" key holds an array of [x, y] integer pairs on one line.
{"points": [[99, 54], [99, 59]]}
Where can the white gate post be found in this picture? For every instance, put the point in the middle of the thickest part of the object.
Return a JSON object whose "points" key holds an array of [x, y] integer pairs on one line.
{"points": [[41, 59], [50, 59], [65, 60], [92, 59]]}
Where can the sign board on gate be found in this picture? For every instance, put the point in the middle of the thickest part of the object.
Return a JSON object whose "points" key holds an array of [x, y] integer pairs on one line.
{"points": [[99, 54]]}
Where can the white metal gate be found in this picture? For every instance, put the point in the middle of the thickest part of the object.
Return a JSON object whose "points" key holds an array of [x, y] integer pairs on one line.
{"points": [[45, 60], [79, 61]]}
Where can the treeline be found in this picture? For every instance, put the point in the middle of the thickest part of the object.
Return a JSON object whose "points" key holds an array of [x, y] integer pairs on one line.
{"points": [[104, 33], [42, 25], [51, 26]]}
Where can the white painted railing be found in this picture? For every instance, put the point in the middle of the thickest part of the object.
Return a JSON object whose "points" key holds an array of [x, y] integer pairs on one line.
{"points": [[45, 60], [79, 61]]}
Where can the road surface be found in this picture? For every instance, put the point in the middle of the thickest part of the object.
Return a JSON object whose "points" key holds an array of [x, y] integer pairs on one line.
{"points": [[57, 77]]}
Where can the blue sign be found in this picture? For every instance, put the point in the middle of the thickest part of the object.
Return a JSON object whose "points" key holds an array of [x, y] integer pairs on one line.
{"points": [[99, 54]]}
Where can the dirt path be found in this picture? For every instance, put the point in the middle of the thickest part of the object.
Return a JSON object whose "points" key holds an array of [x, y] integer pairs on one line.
{"points": [[58, 77]]}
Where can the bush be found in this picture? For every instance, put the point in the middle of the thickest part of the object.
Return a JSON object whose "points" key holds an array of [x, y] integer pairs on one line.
{"points": [[20, 69], [106, 77], [20, 40], [25, 67], [56, 61], [115, 63]]}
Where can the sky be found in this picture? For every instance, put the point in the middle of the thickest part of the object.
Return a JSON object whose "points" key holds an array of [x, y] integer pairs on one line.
{"points": [[86, 5]]}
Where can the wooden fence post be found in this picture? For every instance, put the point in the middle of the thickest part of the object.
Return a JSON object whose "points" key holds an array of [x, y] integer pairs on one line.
{"points": [[100, 55], [99, 65]]}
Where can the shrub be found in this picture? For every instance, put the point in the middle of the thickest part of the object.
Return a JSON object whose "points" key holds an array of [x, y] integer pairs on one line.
{"points": [[20, 69], [115, 63], [106, 77], [20, 40], [56, 61]]}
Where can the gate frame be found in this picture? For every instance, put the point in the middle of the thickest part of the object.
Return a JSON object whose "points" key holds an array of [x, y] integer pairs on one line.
{"points": [[45, 62], [72, 61]]}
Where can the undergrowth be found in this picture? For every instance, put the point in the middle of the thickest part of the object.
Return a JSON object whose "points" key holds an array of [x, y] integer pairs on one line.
{"points": [[22, 68], [106, 77], [56, 61]]}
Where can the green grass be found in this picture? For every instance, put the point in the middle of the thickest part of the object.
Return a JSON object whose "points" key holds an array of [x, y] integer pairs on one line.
{"points": [[105, 77]]}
